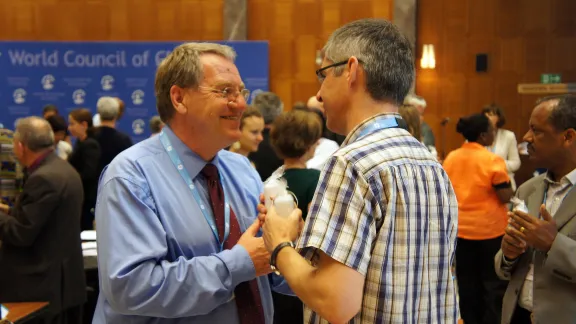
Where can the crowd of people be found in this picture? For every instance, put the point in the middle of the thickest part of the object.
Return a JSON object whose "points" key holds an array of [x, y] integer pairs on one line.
{"points": [[383, 231]]}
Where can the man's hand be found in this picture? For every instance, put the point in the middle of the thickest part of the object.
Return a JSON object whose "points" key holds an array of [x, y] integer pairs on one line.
{"points": [[4, 208], [256, 249], [538, 233], [262, 210], [279, 229], [512, 245]]}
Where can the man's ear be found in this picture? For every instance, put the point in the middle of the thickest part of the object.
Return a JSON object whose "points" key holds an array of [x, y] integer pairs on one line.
{"points": [[177, 98], [570, 136]]}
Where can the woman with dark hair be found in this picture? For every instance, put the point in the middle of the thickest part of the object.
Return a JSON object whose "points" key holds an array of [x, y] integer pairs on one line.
{"points": [[482, 186], [326, 147], [85, 159], [505, 144], [294, 137]]}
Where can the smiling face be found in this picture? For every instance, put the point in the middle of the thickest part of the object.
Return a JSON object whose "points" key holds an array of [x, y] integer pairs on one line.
{"points": [[252, 133], [208, 112]]}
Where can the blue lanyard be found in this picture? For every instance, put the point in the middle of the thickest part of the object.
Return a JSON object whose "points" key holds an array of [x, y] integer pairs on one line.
{"points": [[186, 176], [379, 123]]}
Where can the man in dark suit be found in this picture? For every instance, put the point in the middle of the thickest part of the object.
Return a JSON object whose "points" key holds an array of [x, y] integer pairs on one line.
{"points": [[40, 251]]}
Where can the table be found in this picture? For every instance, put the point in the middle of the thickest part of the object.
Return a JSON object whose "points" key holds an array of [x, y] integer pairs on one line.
{"points": [[21, 312]]}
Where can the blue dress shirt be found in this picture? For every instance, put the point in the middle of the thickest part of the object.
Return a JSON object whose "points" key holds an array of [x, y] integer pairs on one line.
{"points": [[158, 260]]}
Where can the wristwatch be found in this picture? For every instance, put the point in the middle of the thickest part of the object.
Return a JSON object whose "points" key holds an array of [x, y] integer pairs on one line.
{"points": [[275, 254]]}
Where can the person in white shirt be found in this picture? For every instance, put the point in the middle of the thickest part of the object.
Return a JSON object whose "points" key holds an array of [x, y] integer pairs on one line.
{"points": [[326, 147], [59, 127]]}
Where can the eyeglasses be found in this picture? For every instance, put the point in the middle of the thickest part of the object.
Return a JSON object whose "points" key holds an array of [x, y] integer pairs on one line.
{"points": [[321, 74], [230, 93]]}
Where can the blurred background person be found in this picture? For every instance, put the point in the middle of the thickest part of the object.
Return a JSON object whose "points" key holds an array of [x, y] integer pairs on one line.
{"points": [[483, 189], [60, 129], [294, 136], [411, 116], [156, 124], [111, 140], [251, 127], [49, 110], [97, 120], [326, 147], [427, 134], [505, 144], [85, 158], [270, 106], [314, 104]]}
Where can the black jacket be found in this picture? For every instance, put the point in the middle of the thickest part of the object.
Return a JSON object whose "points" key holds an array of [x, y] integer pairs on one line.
{"points": [[85, 158], [40, 252]]}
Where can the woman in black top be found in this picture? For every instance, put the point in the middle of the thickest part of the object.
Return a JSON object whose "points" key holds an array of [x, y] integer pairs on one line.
{"points": [[294, 136], [85, 158]]}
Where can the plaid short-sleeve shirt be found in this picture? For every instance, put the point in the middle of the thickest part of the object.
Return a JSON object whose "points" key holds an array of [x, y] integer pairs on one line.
{"points": [[385, 208]]}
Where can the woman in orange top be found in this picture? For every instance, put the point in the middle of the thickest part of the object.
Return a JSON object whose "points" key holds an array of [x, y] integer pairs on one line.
{"points": [[482, 186]]}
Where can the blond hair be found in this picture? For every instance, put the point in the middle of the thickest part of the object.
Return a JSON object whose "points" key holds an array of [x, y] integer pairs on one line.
{"points": [[183, 68]]}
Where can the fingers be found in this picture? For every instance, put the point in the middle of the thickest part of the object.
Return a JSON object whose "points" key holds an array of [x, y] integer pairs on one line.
{"points": [[262, 199], [253, 229], [520, 222], [296, 214], [514, 241], [545, 214], [524, 218], [261, 212], [514, 234]]}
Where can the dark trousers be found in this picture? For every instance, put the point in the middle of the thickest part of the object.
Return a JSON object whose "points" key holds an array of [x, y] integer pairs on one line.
{"points": [[521, 316], [287, 309], [480, 290], [72, 315]]}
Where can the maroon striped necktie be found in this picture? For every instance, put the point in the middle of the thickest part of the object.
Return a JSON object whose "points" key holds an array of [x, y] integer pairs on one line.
{"points": [[248, 300]]}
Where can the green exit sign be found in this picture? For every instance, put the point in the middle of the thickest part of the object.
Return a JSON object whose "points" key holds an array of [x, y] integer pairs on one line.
{"points": [[551, 78]]}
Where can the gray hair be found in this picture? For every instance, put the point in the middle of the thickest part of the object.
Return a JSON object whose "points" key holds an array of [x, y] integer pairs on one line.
{"points": [[155, 124], [414, 100], [183, 68], [269, 105], [563, 114], [35, 133], [108, 108], [385, 54]]}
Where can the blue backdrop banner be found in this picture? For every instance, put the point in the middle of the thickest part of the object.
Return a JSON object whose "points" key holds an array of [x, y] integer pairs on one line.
{"points": [[75, 74]]}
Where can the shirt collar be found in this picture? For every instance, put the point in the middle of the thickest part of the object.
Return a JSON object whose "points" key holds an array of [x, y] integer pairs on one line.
{"points": [[570, 178], [355, 133], [38, 162], [191, 161]]}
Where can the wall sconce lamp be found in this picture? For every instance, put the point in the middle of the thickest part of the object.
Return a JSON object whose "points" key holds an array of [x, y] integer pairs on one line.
{"points": [[428, 60]]}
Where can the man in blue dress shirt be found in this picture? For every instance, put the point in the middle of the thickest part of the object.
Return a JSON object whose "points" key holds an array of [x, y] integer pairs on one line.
{"points": [[171, 209]]}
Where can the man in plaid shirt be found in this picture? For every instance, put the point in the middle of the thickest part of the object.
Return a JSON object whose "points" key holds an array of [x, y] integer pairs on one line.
{"points": [[380, 236]]}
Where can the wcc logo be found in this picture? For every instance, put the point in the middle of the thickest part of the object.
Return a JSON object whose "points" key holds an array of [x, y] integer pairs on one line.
{"points": [[138, 126], [19, 96], [79, 96], [48, 82], [107, 82], [137, 97]]}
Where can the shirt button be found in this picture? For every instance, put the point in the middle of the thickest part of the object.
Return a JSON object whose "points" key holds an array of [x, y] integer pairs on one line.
{"points": [[557, 198]]}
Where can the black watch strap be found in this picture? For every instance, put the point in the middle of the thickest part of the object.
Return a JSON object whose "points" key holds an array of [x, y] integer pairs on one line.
{"points": [[275, 254]]}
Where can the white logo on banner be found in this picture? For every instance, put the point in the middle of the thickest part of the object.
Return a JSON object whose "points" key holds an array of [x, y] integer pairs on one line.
{"points": [[48, 82], [138, 126], [78, 96], [254, 93], [19, 96], [137, 97], [107, 82]]}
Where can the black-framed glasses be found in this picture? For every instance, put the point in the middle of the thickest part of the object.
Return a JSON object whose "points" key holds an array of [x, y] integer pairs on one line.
{"points": [[320, 72]]}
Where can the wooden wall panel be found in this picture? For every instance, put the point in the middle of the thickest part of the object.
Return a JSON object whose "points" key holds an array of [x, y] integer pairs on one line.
{"points": [[111, 20], [523, 39], [296, 30]]}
